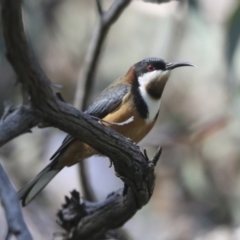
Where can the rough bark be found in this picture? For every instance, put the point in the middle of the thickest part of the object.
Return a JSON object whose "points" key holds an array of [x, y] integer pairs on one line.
{"points": [[16, 122], [130, 163]]}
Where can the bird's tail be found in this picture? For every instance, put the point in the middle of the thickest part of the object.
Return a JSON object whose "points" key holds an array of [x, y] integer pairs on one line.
{"points": [[32, 188]]}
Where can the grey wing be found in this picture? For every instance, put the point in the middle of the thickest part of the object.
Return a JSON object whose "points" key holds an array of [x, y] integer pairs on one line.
{"points": [[107, 102]]}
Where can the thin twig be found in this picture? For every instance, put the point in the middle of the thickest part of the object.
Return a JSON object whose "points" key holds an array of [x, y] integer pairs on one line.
{"points": [[10, 202], [88, 70], [99, 7], [89, 65]]}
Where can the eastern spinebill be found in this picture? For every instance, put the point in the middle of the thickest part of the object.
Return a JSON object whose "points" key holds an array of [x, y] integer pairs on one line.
{"points": [[137, 94]]}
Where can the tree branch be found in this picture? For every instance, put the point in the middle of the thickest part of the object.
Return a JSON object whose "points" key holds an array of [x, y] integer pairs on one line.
{"points": [[99, 7], [16, 122], [106, 19], [62, 115], [10, 202], [89, 220], [131, 165]]}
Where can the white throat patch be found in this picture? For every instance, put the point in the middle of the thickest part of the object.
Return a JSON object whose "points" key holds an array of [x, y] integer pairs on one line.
{"points": [[152, 104]]}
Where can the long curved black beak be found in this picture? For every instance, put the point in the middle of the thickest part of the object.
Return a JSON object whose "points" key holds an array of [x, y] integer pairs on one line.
{"points": [[171, 66]]}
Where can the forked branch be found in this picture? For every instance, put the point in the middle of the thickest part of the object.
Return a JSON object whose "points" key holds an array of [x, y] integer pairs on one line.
{"points": [[131, 165]]}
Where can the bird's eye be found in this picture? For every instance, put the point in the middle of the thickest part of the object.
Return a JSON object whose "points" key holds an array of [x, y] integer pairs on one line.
{"points": [[150, 68]]}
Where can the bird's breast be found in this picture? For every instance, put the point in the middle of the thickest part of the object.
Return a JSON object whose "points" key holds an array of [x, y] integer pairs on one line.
{"points": [[136, 129], [153, 104]]}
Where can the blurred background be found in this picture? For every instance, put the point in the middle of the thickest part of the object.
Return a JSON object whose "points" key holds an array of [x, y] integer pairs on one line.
{"points": [[197, 192]]}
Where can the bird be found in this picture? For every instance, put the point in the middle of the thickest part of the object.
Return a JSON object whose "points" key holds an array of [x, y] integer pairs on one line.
{"points": [[135, 95]]}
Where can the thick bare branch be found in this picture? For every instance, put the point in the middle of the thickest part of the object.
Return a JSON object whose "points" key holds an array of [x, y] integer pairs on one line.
{"points": [[129, 162], [89, 220], [62, 115], [10, 202], [16, 122]]}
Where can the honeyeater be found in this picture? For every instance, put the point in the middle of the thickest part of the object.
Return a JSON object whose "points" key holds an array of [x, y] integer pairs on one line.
{"points": [[137, 94]]}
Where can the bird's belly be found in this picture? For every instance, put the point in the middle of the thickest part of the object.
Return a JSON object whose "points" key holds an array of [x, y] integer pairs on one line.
{"points": [[135, 130]]}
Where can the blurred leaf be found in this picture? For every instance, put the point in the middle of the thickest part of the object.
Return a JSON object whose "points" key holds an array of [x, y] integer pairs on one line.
{"points": [[193, 4], [233, 34]]}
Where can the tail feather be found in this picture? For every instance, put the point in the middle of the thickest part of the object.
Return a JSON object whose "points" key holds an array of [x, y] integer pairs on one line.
{"points": [[32, 188]]}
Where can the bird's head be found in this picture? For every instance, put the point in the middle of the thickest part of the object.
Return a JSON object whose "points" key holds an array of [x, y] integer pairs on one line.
{"points": [[151, 75]]}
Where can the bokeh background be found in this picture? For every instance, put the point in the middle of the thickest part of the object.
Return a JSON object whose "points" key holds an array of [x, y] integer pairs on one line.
{"points": [[197, 193]]}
